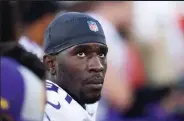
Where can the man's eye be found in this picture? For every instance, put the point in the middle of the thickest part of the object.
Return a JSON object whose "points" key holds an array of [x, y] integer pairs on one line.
{"points": [[102, 55], [81, 54]]}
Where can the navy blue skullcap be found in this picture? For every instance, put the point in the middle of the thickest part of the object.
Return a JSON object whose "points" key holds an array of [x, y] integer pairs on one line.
{"points": [[70, 29]]}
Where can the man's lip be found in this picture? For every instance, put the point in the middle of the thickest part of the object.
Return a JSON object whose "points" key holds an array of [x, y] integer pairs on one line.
{"points": [[94, 80], [95, 86]]}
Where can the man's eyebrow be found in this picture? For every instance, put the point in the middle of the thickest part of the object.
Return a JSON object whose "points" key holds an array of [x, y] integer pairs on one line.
{"points": [[104, 49], [82, 47], [90, 46], [101, 48]]}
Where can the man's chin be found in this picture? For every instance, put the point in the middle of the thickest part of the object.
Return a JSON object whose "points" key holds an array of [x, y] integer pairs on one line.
{"points": [[91, 100]]}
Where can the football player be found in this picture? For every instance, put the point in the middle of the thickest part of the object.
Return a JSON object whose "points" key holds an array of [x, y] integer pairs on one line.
{"points": [[76, 50]]}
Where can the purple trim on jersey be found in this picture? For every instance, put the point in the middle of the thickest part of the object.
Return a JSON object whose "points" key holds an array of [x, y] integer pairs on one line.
{"points": [[52, 88], [58, 106], [12, 87], [68, 98]]}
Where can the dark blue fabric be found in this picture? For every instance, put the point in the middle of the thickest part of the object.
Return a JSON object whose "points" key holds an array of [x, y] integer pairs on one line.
{"points": [[70, 29]]}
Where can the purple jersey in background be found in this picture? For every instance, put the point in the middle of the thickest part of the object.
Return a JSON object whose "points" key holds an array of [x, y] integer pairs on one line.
{"points": [[22, 92]]}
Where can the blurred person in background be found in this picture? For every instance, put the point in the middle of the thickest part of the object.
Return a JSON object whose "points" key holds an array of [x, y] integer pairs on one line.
{"points": [[163, 38], [158, 100], [36, 15], [125, 68], [22, 73]]}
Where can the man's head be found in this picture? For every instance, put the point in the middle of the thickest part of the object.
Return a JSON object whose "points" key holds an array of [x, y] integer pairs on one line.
{"points": [[36, 15], [76, 55]]}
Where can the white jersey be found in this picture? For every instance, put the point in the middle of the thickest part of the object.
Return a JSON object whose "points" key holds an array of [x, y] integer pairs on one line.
{"points": [[31, 46], [62, 107]]}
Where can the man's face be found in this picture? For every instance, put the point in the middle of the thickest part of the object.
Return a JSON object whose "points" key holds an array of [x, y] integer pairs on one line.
{"points": [[80, 70]]}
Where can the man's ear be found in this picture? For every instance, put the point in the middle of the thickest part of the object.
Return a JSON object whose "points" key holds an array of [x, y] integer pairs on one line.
{"points": [[50, 62]]}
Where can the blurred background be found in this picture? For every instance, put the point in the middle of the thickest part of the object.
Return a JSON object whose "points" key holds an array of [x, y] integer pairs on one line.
{"points": [[145, 59]]}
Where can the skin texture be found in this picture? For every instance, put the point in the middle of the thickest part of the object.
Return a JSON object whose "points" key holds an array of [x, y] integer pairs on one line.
{"points": [[80, 70]]}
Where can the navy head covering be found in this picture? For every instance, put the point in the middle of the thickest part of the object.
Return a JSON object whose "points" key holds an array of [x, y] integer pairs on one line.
{"points": [[70, 29]]}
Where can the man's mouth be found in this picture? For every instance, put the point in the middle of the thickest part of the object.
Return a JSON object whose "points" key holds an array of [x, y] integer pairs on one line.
{"points": [[97, 79], [94, 83], [94, 86]]}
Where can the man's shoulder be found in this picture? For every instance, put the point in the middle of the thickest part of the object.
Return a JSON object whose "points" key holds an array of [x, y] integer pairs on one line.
{"points": [[61, 105], [56, 96], [54, 91], [51, 86], [55, 106]]}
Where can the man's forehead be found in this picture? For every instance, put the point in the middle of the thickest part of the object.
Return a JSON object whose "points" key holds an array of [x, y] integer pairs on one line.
{"points": [[86, 47], [90, 46]]}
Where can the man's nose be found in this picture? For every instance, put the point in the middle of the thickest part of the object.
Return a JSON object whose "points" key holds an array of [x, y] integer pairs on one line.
{"points": [[95, 65]]}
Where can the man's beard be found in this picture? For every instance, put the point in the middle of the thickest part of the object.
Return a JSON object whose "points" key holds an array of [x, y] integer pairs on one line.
{"points": [[88, 100], [65, 80]]}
